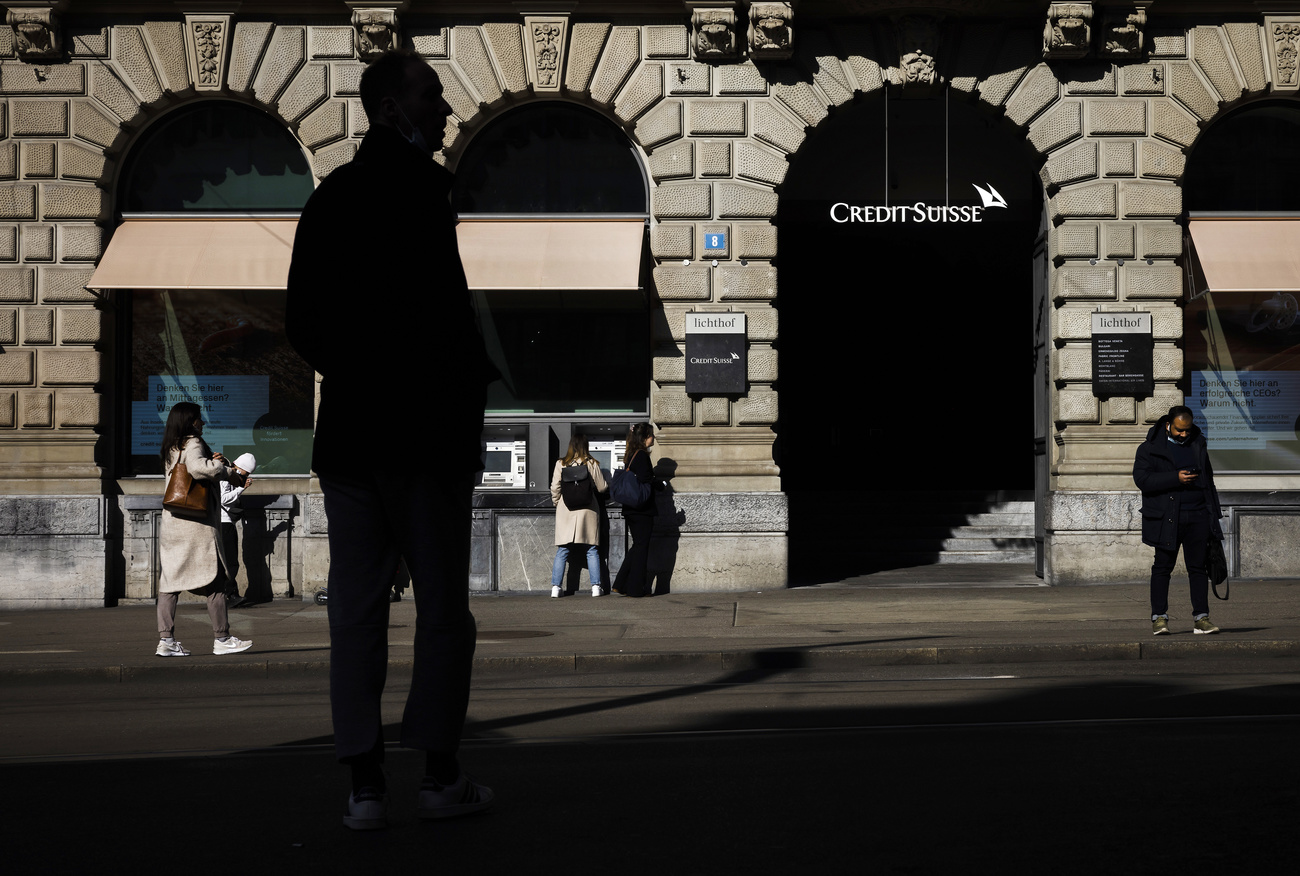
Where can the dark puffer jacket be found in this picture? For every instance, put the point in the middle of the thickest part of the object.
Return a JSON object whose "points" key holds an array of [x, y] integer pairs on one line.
{"points": [[1156, 475]]}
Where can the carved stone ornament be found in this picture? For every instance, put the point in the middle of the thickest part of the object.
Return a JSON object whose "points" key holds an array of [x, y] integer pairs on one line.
{"points": [[1283, 37], [1068, 33], [918, 46], [771, 31], [38, 34], [206, 38], [546, 36], [377, 31], [1122, 31], [713, 33]]}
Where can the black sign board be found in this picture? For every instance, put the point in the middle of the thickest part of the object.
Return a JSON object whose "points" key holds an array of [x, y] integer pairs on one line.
{"points": [[1123, 355], [716, 358]]}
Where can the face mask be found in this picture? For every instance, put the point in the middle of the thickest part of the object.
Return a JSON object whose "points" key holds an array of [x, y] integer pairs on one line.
{"points": [[415, 138]]}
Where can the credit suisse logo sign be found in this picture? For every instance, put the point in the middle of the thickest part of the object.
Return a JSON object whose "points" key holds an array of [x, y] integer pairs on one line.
{"points": [[920, 212]]}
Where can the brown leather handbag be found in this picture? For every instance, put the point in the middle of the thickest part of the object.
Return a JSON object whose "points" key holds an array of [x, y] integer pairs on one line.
{"points": [[185, 497]]}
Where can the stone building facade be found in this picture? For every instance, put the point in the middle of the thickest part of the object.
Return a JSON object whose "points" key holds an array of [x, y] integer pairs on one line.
{"points": [[717, 100]]}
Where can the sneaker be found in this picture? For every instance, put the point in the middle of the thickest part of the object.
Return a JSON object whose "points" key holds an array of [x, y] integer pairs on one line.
{"points": [[461, 797], [1160, 626], [171, 649], [556, 592], [596, 591], [367, 810], [1204, 626], [231, 645]]}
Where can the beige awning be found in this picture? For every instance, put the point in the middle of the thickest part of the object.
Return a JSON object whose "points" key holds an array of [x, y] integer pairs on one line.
{"points": [[548, 254], [1248, 255], [208, 253]]}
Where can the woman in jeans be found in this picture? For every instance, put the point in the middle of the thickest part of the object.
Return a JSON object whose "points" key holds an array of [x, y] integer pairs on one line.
{"points": [[580, 526]]}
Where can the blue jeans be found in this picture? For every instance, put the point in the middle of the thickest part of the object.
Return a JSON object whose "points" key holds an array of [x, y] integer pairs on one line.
{"points": [[562, 557]]}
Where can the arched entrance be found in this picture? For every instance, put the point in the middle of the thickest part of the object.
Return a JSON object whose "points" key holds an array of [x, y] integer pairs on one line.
{"points": [[905, 335]]}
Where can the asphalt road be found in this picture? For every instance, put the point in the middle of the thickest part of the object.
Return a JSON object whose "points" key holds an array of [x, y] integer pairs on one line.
{"points": [[1082, 767]]}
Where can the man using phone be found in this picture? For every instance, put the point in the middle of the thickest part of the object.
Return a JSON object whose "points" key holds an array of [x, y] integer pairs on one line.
{"points": [[1180, 507]]}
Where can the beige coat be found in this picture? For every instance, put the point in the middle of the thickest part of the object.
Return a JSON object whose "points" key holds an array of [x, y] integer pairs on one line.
{"points": [[189, 549], [580, 525]]}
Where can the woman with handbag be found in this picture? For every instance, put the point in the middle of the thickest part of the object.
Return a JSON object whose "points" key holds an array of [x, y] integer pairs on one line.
{"points": [[633, 575], [574, 487], [189, 536]]}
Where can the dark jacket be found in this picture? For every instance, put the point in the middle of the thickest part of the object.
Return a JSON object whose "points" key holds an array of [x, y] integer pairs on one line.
{"points": [[379, 307], [1156, 475], [643, 471]]}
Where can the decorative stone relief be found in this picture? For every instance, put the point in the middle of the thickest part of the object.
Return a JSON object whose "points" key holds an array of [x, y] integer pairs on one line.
{"points": [[377, 30], [546, 36], [1283, 38], [771, 31], [38, 35], [1122, 31], [713, 33], [1068, 33], [918, 46], [206, 38]]}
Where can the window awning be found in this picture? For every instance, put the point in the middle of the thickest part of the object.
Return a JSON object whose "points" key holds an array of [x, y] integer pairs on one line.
{"points": [[206, 253], [551, 254], [1248, 255]]}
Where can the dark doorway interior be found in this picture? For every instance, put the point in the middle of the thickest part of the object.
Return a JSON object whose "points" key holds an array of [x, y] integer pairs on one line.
{"points": [[905, 345]]}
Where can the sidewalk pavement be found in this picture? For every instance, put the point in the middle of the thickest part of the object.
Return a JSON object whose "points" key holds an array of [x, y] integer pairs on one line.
{"points": [[928, 615]]}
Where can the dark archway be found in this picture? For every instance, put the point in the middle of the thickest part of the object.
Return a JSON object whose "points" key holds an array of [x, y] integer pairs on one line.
{"points": [[905, 327]]}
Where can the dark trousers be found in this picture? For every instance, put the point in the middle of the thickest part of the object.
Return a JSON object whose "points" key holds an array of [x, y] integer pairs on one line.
{"points": [[1193, 536], [633, 579], [230, 544], [376, 520]]}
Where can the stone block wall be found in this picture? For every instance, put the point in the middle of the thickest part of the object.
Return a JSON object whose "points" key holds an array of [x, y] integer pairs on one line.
{"points": [[716, 134]]}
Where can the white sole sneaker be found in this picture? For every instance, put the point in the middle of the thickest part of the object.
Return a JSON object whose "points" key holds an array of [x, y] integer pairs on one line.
{"points": [[171, 649], [597, 591], [556, 592], [230, 646], [463, 797], [370, 812]]}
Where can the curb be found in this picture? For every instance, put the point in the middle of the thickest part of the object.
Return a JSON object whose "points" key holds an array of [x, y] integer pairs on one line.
{"points": [[723, 661]]}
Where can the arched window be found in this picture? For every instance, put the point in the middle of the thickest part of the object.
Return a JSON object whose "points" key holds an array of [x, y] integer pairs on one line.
{"points": [[1241, 325], [209, 196], [215, 156], [553, 203]]}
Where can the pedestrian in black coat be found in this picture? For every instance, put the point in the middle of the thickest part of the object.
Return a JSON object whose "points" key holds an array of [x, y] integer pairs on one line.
{"points": [[379, 307], [1180, 508]]}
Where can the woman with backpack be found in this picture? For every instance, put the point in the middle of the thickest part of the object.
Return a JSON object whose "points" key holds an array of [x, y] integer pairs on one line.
{"points": [[633, 576], [574, 486]]}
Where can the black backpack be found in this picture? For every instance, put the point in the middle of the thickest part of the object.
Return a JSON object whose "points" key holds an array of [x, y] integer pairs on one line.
{"points": [[576, 487]]}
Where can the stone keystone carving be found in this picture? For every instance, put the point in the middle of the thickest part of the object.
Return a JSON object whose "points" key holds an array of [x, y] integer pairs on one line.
{"points": [[1122, 31], [713, 33], [1068, 33], [546, 36], [38, 35], [771, 32], [377, 31], [918, 45], [1284, 55], [206, 38]]}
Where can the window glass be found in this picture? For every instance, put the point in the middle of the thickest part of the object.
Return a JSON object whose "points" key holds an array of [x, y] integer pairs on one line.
{"points": [[215, 156], [1243, 361], [1242, 349], [566, 352], [226, 352], [550, 157]]}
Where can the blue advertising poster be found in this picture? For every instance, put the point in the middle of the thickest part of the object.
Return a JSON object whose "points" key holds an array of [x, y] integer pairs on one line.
{"points": [[231, 406], [1246, 410]]}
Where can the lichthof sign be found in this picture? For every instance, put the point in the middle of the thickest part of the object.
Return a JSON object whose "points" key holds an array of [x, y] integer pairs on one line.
{"points": [[716, 356], [1123, 355]]}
